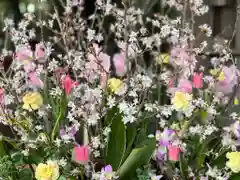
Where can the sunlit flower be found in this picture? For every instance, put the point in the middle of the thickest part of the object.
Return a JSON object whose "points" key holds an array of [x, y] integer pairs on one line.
{"points": [[181, 101], [236, 101], [32, 101], [214, 72], [233, 161], [115, 84], [221, 76], [49, 171], [163, 58]]}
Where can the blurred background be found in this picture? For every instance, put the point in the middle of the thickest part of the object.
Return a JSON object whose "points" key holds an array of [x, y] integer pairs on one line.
{"points": [[221, 16]]}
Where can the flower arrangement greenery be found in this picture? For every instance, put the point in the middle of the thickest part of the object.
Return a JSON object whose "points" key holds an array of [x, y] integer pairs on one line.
{"points": [[76, 111]]}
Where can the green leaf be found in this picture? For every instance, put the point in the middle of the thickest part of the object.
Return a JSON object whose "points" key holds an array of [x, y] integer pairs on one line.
{"points": [[35, 157], [183, 166], [138, 157], [17, 158], [110, 116], [62, 178], [204, 115], [235, 177], [142, 135], [2, 149], [26, 174], [131, 134], [117, 143]]}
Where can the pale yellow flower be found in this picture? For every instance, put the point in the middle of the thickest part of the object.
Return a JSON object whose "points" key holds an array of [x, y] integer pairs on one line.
{"points": [[234, 161], [163, 58], [49, 171], [115, 84], [236, 101], [214, 72], [32, 100], [181, 100], [221, 76]]}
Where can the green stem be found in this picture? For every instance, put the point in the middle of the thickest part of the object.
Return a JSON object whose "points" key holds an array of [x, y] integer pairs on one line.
{"points": [[81, 175], [56, 125]]}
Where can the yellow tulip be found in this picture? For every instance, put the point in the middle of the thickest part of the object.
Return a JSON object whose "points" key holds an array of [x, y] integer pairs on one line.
{"points": [[221, 76], [181, 101], [115, 84], [32, 100], [234, 161], [236, 101], [49, 171], [163, 58]]}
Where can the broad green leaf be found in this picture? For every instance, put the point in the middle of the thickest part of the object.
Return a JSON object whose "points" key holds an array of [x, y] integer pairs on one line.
{"points": [[138, 157], [26, 174], [235, 177], [183, 166], [17, 158], [131, 134], [2, 149], [117, 143], [110, 116], [142, 134], [62, 178]]}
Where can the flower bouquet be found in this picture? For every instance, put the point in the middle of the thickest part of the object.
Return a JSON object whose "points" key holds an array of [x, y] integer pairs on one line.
{"points": [[82, 103]]}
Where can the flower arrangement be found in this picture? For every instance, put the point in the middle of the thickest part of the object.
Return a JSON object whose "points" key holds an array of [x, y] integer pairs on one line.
{"points": [[77, 111]]}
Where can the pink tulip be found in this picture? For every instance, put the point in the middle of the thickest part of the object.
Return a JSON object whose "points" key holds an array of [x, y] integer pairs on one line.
{"points": [[1, 96], [68, 84], [197, 80], [173, 153], [24, 54], [35, 80], [171, 83], [180, 56], [39, 53], [61, 71], [119, 63], [103, 79], [185, 86], [99, 63], [29, 66], [81, 154]]}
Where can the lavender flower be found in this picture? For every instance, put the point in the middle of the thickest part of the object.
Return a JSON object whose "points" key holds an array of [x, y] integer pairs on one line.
{"points": [[107, 173], [68, 134], [165, 137]]}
